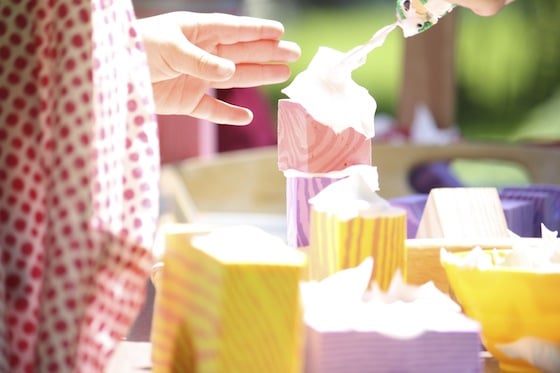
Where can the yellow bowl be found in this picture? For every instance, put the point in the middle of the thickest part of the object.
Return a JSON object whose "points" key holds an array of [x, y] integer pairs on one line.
{"points": [[510, 304]]}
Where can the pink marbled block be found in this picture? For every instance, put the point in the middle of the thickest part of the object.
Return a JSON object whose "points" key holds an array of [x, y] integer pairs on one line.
{"points": [[310, 146]]}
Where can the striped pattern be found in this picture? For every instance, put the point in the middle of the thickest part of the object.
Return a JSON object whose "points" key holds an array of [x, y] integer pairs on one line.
{"points": [[542, 202], [216, 315], [309, 146], [549, 206], [336, 245], [519, 216], [554, 192], [299, 189], [453, 351]]}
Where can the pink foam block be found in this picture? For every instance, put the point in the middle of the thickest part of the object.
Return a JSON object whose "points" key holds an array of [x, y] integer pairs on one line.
{"points": [[299, 189], [310, 146]]}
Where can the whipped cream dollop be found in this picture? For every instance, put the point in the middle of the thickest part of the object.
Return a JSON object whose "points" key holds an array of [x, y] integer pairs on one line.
{"points": [[329, 94], [354, 196], [541, 255], [343, 301]]}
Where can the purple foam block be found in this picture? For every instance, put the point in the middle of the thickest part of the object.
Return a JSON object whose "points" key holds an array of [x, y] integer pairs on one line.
{"points": [[433, 351], [542, 202], [414, 206], [554, 191], [519, 216], [299, 189]]}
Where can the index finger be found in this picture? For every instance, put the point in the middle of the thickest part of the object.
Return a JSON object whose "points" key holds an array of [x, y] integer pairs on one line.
{"points": [[229, 29]]}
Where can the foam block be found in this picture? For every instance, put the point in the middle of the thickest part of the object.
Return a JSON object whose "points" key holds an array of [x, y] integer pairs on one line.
{"points": [[519, 216], [542, 202], [336, 244], [463, 213], [554, 192], [309, 146], [299, 189], [227, 310], [414, 206], [456, 350]]}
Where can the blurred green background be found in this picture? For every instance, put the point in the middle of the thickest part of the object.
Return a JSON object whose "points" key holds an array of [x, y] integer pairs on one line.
{"points": [[507, 65]]}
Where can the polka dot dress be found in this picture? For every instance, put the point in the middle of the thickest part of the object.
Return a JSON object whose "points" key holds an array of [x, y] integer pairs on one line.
{"points": [[78, 182]]}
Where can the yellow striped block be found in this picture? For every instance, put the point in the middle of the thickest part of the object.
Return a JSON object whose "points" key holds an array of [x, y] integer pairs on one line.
{"points": [[223, 310], [337, 244]]}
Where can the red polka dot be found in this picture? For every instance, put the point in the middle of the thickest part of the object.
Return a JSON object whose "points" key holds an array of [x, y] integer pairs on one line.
{"points": [[21, 21], [18, 184], [10, 239], [3, 93], [11, 160], [27, 248], [30, 88], [128, 194], [4, 52], [53, 367], [62, 10], [14, 78], [21, 304], [17, 143], [12, 119], [77, 41], [14, 361], [22, 345], [39, 217], [4, 216], [70, 107], [139, 120], [29, 327], [36, 272], [20, 225], [84, 15], [19, 103], [15, 39], [13, 281]]}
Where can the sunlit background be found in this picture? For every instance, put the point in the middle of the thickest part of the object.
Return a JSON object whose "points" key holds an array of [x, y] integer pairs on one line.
{"points": [[508, 65]]}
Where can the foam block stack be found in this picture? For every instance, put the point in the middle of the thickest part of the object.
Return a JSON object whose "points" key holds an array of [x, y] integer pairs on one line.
{"points": [[315, 152]]}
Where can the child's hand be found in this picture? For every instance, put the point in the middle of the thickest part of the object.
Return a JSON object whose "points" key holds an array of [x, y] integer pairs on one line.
{"points": [[190, 53]]}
